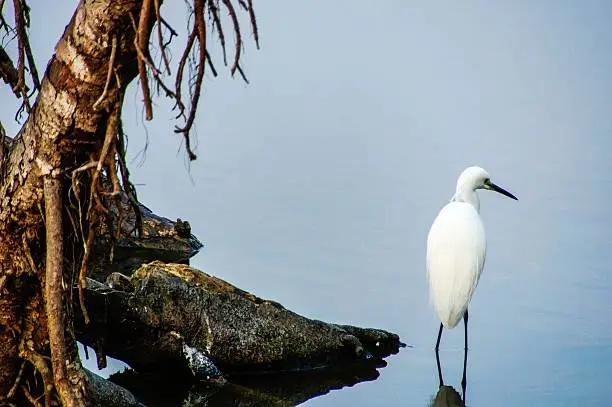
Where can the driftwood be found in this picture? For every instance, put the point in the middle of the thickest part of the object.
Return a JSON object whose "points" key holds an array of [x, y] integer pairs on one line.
{"points": [[159, 238], [150, 318], [190, 336]]}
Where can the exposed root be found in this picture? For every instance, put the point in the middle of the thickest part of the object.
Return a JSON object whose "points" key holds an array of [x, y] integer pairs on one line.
{"points": [[181, 69], [160, 37], [40, 364], [253, 23], [128, 187], [83, 271], [54, 292], [13, 389], [200, 26], [198, 32], [22, 21], [28, 255], [214, 10], [238, 39], [31, 398], [142, 43], [109, 74], [241, 72]]}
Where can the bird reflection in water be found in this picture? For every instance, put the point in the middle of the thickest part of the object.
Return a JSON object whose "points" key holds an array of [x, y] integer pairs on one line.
{"points": [[447, 396]]}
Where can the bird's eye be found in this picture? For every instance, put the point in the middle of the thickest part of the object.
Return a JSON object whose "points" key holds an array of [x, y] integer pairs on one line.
{"points": [[487, 180]]}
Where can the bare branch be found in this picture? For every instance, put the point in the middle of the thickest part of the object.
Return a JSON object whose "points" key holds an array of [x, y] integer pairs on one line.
{"points": [[200, 26], [214, 10], [109, 74], [8, 73], [173, 32], [54, 293], [83, 270], [238, 39], [210, 64], [30, 398], [22, 21], [181, 69], [142, 43], [21, 34], [241, 72], [160, 38], [253, 23]]}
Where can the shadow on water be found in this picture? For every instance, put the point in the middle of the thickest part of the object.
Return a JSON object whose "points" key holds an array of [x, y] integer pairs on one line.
{"points": [[288, 389], [447, 396]]}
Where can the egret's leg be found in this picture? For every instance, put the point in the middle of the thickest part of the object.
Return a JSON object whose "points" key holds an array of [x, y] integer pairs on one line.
{"points": [[439, 369], [439, 337], [465, 322], [465, 355]]}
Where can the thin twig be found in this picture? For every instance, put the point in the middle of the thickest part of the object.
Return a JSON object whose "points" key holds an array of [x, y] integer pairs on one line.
{"points": [[125, 179], [217, 23], [200, 25], [181, 69], [109, 73], [31, 398], [28, 254], [253, 23], [19, 23], [160, 37], [142, 43], [210, 64], [83, 270], [238, 39], [112, 171], [154, 71], [173, 32], [241, 72], [13, 389]]}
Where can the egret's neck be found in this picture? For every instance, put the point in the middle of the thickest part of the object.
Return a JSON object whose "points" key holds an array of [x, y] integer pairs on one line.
{"points": [[467, 195]]}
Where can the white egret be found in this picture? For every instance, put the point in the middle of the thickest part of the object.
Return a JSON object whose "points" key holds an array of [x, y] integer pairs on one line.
{"points": [[456, 249]]}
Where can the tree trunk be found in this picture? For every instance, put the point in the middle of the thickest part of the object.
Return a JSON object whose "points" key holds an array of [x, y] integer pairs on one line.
{"points": [[62, 133]]}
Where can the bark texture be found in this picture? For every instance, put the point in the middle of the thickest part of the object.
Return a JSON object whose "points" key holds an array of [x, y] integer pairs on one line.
{"points": [[61, 133]]}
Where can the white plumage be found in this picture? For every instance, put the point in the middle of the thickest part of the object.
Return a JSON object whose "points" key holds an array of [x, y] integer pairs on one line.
{"points": [[456, 248]]}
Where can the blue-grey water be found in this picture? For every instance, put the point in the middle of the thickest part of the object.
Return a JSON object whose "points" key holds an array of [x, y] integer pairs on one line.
{"points": [[316, 184]]}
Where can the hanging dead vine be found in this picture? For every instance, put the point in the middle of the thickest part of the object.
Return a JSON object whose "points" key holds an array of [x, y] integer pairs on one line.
{"points": [[150, 12], [16, 77]]}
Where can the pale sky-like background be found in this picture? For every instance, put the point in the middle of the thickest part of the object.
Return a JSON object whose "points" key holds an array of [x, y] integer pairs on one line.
{"points": [[316, 184]]}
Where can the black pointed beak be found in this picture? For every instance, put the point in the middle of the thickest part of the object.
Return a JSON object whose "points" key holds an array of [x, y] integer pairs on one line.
{"points": [[502, 191]]}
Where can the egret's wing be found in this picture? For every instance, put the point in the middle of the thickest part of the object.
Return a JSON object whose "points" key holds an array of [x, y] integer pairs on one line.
{"points": [[456, 249]]}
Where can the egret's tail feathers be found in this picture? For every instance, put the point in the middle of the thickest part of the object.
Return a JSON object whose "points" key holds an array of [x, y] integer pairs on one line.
{"points": [[449, 316]]}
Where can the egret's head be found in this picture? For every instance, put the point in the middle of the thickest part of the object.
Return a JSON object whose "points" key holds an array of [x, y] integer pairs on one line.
{"points": [[473, 178]]}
